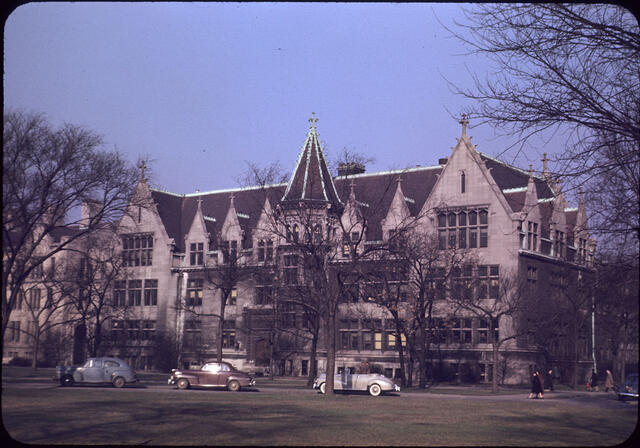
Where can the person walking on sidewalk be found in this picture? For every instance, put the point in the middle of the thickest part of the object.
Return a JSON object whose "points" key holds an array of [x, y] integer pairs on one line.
{"points": [[608, 382], [536, 385]]}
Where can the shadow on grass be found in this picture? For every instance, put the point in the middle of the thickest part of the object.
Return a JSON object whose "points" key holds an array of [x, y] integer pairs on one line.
{"points": [[549, 429], [129, 421]]}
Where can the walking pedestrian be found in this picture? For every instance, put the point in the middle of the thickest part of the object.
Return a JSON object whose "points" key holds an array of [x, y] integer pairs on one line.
{"points": [[536, 385], [608, 382], [550, 380]]}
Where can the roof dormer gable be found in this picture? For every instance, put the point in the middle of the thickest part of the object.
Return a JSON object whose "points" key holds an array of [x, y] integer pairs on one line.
{"points": [[198, 228], [231, 229], [352, 213], [464, 180], [398, 213]]}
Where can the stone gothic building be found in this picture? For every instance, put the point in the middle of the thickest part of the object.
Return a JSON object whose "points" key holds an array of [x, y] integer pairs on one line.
{"points": [[509, 219]]}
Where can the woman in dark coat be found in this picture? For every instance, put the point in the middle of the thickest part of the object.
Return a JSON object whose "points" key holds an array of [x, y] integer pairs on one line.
{"points": [[536, 385]]}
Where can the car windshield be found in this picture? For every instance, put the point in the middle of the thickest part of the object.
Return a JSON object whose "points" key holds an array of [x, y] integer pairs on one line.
{"points": [[91, 363], [211, 367]]}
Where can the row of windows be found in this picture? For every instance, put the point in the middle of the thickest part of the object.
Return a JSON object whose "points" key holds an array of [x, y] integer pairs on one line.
{"points": [[463, 229], [376, 334], [195, 293], [193, 333], [133, 329], [32, 299], [131, 293], [529, 239], [137, 250]]}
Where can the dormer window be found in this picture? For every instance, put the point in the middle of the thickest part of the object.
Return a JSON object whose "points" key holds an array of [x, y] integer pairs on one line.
{"points": [[229, 251], [196, 252], [532, 236], [582, 250], [559, 244], [317, 234]]}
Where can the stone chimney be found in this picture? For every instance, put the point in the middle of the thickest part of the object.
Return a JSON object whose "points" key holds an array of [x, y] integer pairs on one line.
{"points": [[350, 168], [89, 210]]}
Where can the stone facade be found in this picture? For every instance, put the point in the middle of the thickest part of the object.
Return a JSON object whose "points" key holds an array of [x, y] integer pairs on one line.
{"points": [[521, 223]]}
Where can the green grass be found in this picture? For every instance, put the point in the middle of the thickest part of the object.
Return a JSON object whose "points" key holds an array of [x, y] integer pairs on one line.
{"points": [[97, 415]]}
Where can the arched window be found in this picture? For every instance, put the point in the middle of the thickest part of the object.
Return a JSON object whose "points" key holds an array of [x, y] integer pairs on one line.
{"points": [[462, 182], [317, 234], [261, 250], [296, 233]]}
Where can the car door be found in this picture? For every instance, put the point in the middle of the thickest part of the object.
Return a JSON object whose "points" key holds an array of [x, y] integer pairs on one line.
{"points": [[109, 367], [209, 375], [224, 374], [92, 372]]}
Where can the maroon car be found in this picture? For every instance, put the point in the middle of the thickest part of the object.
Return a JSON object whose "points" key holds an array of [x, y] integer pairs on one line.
{"points": [[212, 374]]}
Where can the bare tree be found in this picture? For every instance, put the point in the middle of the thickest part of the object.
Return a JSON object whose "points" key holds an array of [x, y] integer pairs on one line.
{"points": [[616, 304], [572, 69], [47, 174], [92, 273], [46, 312], [560, 318], [502, 299]]}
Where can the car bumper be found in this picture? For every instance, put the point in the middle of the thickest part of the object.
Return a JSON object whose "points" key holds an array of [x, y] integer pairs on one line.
{"points": [[396, 388], [171, 381], [628, 395]]}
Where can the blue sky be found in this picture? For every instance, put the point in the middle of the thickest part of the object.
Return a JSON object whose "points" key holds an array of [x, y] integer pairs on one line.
{"points": [[201, 88]]}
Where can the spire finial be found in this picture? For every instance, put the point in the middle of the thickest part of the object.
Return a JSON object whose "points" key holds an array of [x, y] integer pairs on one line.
{"points": [[143, 168], [464, 122], [530, 170], [544, 163], [313, 120], [232, 197]]}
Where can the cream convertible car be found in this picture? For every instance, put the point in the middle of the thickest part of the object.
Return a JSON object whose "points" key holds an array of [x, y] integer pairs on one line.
{"points": [[374, 383]]}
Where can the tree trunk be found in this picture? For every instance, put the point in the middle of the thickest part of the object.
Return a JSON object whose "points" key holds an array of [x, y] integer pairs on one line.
{"points": [[576, 354], [313, 363], [623, 354], [223, 304], [331, 352], [494, 368], [400, 349], [36, 348]]}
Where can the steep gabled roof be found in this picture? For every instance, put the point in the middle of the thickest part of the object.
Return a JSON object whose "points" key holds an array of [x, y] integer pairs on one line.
{"points": [[375, 192], [509, 177], [311, 179], [177, 211]]}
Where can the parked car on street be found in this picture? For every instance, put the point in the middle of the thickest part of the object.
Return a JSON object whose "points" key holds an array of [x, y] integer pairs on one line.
{"points": [[212, 374], [630, 387], [374, 383], [101, 370]]}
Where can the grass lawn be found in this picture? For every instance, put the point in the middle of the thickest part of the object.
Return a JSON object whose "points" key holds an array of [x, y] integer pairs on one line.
{"points": [[166, 417]]}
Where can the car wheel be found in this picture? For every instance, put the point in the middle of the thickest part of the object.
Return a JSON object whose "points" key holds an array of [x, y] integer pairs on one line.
{"points": [[323, 388], [118, 382], [375, 390], [233, 386], [67, 380], [183, 383]]}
